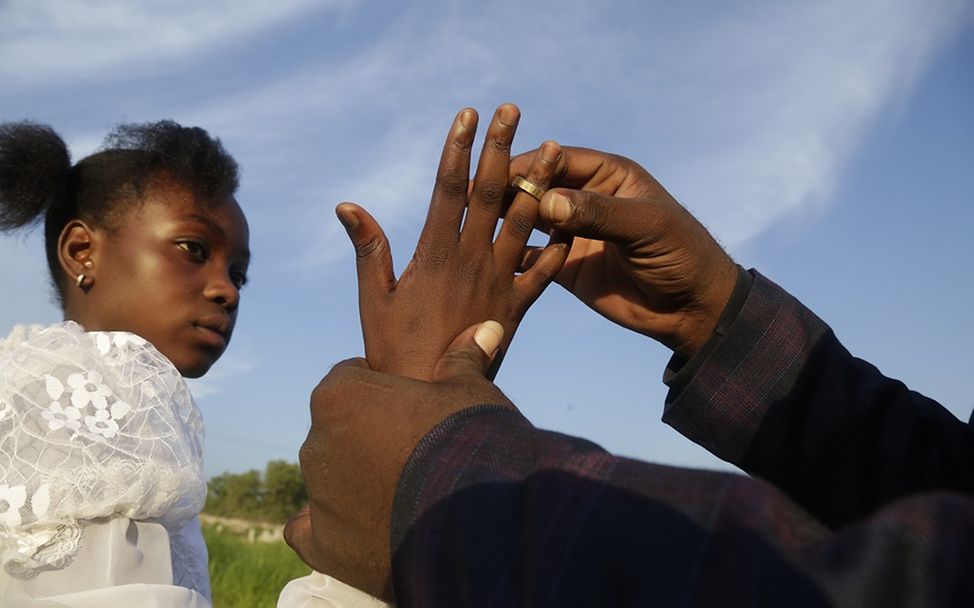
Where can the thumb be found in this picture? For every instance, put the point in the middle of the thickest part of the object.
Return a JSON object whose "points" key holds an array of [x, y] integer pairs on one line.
{"points": [[470, 353], [373, 256], [591, 215], [299, 535]]}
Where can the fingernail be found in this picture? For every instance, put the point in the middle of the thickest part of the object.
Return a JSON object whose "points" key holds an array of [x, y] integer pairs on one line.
{"points": [[508, 115], [488, 336], [559, 207], [550, 151], [468, 119], [348, 219]]}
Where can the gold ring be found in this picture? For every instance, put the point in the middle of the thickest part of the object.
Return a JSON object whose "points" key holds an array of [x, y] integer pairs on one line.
{"points": [[528, 188]]}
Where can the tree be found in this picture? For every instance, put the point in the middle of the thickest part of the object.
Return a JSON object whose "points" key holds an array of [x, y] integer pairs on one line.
{"points": [[274, 496]]}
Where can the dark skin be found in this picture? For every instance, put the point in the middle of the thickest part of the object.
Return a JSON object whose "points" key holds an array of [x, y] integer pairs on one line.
{"points": [[169, 269], [460, 273], [638, 258], [364, 420]]}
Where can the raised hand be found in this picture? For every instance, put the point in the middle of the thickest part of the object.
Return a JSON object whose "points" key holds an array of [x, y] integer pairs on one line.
{"points": [[638, 257], [460, 274]]}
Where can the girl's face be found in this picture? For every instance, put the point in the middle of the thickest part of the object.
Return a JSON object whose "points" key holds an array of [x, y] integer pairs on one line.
{"points": [[172, 274]]}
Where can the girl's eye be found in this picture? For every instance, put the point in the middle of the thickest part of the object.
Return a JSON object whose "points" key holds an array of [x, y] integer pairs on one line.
{"points": [[239, 279], [193, 248]]}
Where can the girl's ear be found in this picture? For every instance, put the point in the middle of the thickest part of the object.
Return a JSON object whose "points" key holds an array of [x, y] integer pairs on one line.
{"points": [[77, 250]]}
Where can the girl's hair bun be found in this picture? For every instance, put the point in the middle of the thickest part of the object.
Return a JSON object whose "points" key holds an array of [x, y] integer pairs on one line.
{"points": [[34, 167]]}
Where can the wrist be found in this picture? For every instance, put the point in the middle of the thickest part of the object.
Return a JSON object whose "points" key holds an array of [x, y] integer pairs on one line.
{"points": [[723, 299]]}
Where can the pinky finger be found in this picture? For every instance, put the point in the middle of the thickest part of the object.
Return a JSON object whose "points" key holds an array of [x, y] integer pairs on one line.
{"points": [[539, 267]]}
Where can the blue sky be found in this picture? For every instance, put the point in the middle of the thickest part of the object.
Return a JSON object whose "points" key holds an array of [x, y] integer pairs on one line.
{"points": [[828, 144]]}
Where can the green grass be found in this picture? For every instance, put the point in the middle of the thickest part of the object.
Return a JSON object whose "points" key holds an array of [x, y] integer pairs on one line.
{"points": [[248, 575]]}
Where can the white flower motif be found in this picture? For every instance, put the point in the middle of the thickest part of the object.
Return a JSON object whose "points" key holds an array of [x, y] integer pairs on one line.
{"points": [[102, 424], [54, 387], [88, 389], [40, 502], [12, 498], [119, 339], [119, 409], [58, 417]]}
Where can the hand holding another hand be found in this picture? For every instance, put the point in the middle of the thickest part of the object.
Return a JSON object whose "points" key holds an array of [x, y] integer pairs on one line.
{"points": [[638, 257], [364, 426]]}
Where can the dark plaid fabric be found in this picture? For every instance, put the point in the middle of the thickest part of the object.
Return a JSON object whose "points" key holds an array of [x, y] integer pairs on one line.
{"points": [[780, 397], [491, 511]]}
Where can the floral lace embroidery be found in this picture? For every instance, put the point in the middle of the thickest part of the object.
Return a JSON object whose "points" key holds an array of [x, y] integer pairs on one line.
{"points": [[93, 424]]}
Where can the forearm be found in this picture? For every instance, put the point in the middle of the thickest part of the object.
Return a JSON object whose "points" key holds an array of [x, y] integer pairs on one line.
{"points": [[779, 396], [493, 511]]}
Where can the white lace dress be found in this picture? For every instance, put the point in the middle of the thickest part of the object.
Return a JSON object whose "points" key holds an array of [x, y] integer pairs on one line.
{"points": [[101, 479], [101, 475]]}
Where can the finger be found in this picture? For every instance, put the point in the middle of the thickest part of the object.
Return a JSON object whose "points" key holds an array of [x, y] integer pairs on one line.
{"points": [[624, 221], [546, 264], [449, 198], [521, 217], [490, 181], [373, 256], [471, 353], [299, 535], [587, 169], [522, 163]]}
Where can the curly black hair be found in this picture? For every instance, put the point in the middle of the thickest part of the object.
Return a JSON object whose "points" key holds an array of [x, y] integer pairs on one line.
{"points": [[38, 180]]}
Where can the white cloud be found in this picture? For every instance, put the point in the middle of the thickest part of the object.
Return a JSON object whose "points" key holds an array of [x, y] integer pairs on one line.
{"points": [[747, 114], [748, 117], [781, 100], [44, 40]]}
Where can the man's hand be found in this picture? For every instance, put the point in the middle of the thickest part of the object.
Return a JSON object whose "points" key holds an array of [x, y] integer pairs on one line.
{"points": [[459, 274], [638, 257], [364, 426]]}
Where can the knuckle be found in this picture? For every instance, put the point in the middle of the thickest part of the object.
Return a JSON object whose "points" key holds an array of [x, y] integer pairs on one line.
{"points": [[472, 271], [461, 144], [434, 256], [452, 185], [596, 213], [519, 223], [464, 358], [498, 143], [369, 248], [490, 192]]}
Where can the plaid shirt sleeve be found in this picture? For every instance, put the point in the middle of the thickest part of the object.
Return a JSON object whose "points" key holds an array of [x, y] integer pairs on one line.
{"points": [[491, 511], [779, 396]]}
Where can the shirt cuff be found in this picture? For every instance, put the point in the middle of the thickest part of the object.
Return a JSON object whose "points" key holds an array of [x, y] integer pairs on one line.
{"points": [[679, 371]]}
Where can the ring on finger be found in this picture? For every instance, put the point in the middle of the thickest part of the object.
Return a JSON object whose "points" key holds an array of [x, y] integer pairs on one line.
{"points": [[528, 187]]}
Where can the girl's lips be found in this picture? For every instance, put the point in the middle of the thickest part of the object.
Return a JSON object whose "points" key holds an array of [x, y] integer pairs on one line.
{"points": [[213, 336]]}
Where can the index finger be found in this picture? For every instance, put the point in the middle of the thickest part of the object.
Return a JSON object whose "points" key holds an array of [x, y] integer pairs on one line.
{"points": [[579, 169], [449, 200]]}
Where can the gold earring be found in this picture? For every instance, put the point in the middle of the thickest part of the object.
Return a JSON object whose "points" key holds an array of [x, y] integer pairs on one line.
{"points": [[80, 280]]}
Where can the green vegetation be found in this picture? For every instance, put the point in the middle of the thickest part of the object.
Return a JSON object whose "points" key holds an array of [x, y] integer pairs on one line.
{"points": [[272, 497], [245, 574]]}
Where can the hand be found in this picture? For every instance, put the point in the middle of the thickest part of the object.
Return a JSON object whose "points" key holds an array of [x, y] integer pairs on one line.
{"points": [[457, 275], [364, 426], [638, 257]]}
